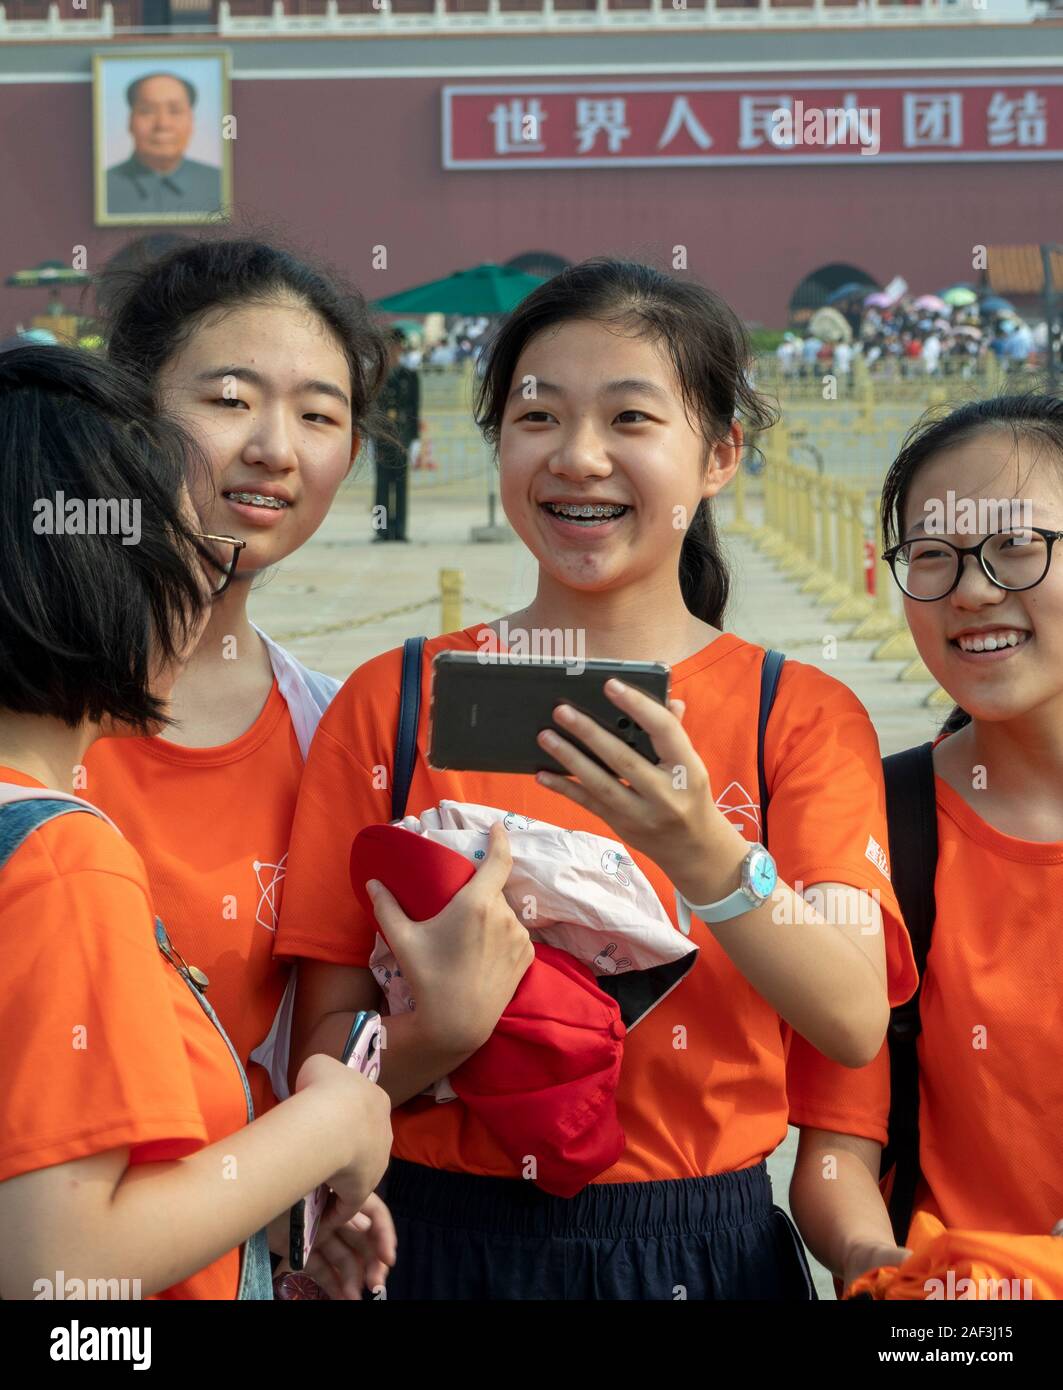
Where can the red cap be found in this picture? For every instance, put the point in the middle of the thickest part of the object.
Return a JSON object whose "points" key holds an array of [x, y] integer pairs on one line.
{"points": [[545, 1081]]}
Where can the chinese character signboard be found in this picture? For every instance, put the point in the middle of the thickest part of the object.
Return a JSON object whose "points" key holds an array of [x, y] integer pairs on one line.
{"points": [[917, 120]]}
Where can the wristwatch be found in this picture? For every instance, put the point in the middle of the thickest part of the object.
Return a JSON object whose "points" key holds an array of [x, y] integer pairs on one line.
{"points": [[759, 877]]}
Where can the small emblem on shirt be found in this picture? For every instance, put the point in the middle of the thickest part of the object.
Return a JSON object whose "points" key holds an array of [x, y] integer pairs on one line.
{"points": [[740, 809], [270, 877], [877, 855]]}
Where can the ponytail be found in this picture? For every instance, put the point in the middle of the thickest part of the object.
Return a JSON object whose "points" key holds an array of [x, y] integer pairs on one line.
{"points": [[956, 721], [703, 576]]}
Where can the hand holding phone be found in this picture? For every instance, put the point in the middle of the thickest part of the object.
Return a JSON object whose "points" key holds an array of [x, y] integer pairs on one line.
{"points": [[361, 1052], [488, 709], [673, 820]]}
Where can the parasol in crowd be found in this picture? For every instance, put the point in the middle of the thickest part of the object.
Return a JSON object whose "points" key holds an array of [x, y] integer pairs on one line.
{"points": [[831, 326], [485, 289], [968, 330], [932, 302], [29, 337], [959, 296], [853, 290], [995, 305], [878, 300]]}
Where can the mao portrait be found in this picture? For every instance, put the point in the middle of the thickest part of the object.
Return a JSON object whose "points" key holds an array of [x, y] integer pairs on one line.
{"points": [[162, 138]]}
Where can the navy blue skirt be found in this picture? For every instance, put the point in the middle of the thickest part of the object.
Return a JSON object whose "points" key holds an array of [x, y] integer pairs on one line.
{"points": [[461, 1236]]}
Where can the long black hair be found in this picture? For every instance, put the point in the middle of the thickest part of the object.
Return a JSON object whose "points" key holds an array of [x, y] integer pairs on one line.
{"points": [[1030, 415], [85, 612], [152, 303], [709, 351]]}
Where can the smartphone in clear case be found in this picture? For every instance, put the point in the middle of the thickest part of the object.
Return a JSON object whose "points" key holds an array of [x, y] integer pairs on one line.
{"points": [[362, 1052]]}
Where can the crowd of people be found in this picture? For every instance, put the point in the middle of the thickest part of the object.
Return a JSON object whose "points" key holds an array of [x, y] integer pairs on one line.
{"points": [[189, 949], [464, 337], [914, 337]]}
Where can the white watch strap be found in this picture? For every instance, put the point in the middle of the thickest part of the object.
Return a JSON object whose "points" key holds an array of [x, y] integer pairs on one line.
{"points": [[731, 906]]}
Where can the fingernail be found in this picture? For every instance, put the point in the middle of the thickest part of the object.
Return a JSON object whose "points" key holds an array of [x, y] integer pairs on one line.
{"points": [[613, 684], [372, 887]]}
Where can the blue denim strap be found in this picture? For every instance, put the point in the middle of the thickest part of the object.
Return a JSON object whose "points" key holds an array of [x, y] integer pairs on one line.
{"points": [[256, 1279], [18, 819]]}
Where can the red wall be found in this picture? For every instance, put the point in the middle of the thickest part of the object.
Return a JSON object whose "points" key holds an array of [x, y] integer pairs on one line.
{"points": [[341, 166]]}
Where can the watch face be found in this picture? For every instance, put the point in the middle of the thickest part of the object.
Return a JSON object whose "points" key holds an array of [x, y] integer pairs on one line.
{"points": [[762, 876]]}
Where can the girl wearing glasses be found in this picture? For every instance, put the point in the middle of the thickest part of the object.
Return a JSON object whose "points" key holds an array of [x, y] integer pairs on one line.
{"points": [[975, 504], [273, 368], [124, 1111]]}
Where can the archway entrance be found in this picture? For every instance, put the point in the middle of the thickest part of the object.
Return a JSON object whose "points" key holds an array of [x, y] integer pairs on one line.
{"points": [[816, 289], [543, 263]]}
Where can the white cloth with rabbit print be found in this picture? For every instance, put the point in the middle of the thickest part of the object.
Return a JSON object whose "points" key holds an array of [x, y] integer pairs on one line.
{"points": [[579, 892]]}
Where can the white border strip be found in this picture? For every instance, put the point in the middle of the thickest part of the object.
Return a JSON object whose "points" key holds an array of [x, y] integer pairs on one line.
{"points": [[594, 72], [530, 89], [532, 74], [752, 161]]}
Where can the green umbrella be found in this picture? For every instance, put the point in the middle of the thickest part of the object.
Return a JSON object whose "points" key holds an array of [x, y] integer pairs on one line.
{"points": [[49, 275], [46, 274], [959, 297], [486, 289]]}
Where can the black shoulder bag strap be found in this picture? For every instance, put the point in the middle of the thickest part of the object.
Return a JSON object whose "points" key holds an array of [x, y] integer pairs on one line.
{"points": [[409, 717], [911, 810], [410, 709], [769, 683]]}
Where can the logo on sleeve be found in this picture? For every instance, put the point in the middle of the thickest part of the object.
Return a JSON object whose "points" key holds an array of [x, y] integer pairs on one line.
{"points": [[877, 855], [270, 877]]}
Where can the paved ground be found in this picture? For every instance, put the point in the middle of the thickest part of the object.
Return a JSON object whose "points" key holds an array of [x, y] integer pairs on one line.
{"points": [[326, 603]]}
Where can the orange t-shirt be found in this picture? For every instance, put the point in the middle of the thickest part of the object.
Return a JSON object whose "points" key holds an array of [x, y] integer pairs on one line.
{"points": [[212, 826], [990, 1059], [703, 1085], [104, 1046]]}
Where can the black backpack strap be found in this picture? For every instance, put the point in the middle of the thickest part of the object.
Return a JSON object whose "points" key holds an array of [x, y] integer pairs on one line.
{"points": [[769, 683], [911, 811], [409, 717]]}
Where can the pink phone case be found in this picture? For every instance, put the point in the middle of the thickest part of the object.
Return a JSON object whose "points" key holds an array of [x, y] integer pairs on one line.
{"points": [[362, 1052]]}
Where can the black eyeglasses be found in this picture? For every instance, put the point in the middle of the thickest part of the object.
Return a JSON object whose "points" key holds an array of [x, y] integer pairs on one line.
{"points": [[228, 569], [929, 568]]}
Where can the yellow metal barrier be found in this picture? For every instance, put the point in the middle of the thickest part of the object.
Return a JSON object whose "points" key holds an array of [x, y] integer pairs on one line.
{"points": [[450, 597], [815, 528], [451, 584], [815, 522]]}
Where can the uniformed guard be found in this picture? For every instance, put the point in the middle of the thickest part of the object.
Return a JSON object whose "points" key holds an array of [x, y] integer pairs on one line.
{"points": [[401, 402]]}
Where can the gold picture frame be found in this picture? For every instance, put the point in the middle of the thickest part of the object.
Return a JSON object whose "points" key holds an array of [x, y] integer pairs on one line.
{"points": [[135, 140]]}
